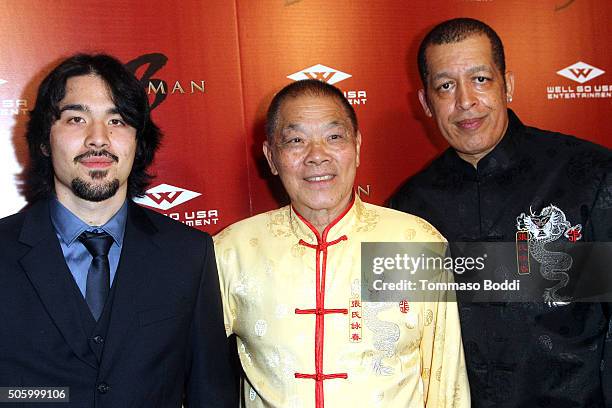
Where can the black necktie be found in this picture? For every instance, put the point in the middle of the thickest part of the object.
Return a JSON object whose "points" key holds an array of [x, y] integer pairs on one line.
{"points": [[98, 275]]}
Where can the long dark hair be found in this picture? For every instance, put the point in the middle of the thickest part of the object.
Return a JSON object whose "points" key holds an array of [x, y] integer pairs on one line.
{"points": [[131, 101]]}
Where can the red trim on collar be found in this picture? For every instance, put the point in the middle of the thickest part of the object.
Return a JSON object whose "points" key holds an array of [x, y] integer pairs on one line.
{"points": [[323, 237]]}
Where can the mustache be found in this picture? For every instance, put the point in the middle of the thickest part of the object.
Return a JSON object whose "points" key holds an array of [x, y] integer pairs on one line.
{"points": [[96, 153]]}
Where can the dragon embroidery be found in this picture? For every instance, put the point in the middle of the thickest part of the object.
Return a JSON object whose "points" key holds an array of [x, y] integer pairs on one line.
{"points": [[386, 335], [543, 228]]}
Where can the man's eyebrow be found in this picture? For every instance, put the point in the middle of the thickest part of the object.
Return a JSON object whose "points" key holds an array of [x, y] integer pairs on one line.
{"points": [[84, 108], [75, 107], [292, 126], [478, 68], [113, 111], [470, 71], [334, 123], [298, 127]]}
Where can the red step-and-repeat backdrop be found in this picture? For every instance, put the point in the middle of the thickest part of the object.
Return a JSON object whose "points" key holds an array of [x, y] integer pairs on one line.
{"points": [[211, 68]]}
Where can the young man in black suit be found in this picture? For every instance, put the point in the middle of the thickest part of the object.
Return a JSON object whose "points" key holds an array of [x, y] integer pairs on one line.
{"points": [[117, 303]]}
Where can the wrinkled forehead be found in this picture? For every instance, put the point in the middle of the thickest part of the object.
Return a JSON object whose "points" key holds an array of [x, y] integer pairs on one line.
{"points": [[312, 111]]}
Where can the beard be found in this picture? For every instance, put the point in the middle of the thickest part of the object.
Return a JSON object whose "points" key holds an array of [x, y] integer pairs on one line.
{"points": [[95, 192]]}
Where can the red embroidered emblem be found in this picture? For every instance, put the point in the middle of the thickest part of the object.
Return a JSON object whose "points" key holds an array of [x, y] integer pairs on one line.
{"points": [[522, 252], [574, 233]]}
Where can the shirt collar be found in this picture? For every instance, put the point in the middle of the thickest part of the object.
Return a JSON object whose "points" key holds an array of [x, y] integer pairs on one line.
{"points": [[69, 226], [354, 214], [501, 157]]}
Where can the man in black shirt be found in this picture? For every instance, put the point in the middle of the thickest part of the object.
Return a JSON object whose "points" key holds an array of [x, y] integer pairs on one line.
{"points": [[501, 181]]}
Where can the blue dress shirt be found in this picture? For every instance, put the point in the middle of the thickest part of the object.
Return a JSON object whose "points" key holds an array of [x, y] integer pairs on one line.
{"points": [[68, 227]]}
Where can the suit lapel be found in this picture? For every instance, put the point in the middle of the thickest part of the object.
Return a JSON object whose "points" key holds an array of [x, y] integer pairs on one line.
{"points": [[46, 268], [137, 263]]}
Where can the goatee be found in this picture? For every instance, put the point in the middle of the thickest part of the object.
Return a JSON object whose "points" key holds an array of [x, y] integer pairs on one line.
{"points": [[94, 192]]}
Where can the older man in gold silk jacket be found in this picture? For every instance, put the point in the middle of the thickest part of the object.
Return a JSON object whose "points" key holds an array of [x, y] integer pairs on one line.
{"points": [[291, 282]]}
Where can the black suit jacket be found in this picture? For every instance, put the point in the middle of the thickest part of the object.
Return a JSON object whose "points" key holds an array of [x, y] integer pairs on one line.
{"points": [[165, 343]]}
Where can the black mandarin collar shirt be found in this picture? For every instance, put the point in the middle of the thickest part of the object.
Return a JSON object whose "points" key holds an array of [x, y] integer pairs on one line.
{"points": [[525, 355]]}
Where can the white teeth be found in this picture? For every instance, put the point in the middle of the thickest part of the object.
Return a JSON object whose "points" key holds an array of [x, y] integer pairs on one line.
{"points": [[319, 178]]}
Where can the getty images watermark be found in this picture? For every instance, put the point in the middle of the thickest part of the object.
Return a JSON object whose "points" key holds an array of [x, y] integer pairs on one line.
{"points": [[483, 272], [429, 266]]}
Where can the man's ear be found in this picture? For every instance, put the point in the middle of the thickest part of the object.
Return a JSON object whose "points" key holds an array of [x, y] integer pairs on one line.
{"points": [[357, 147], [424, 103], [267, 151], [509, 76], [45, 150]]}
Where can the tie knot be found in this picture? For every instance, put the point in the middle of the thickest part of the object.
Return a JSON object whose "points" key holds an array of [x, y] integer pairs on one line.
{"points": [[97, 243]]}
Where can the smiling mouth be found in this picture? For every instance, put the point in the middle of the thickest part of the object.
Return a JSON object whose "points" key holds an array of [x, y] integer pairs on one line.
{"points": [[470, 124], [326, 177]]}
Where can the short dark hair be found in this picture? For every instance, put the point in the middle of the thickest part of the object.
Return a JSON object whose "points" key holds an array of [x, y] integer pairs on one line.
{"points": [[131, 101], [457, 30], [311, 87]]}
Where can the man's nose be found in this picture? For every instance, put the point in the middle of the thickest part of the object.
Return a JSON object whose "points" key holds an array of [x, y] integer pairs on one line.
{"points": [[466, 98], [317, 152], [97, 136]]}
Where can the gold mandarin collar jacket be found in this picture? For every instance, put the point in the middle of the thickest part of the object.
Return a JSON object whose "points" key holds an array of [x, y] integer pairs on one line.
{"points": [[305, 339]]}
